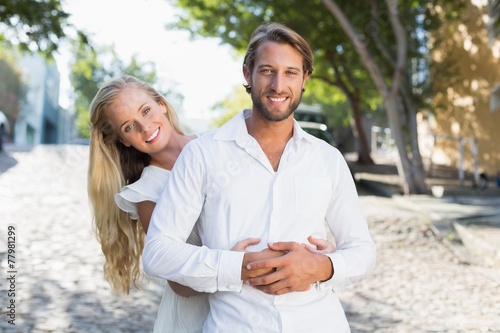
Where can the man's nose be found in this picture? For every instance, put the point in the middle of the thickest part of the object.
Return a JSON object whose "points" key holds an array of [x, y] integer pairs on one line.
{"points": [[278, 83]]}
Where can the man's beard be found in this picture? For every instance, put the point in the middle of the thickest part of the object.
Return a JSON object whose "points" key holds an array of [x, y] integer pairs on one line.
{"points": [[259, 106]]}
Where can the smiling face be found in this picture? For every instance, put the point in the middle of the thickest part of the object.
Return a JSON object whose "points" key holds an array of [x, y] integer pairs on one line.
{"points": [[277, 81], [139, 120]]}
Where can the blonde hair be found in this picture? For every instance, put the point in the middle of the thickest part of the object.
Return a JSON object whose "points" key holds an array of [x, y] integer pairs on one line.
{"points": [[112, 165]]}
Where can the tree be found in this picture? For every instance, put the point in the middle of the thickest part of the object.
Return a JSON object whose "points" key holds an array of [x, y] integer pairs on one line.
{"points": [[413, 178], [494, 13], [402, 93], [34, 25]]}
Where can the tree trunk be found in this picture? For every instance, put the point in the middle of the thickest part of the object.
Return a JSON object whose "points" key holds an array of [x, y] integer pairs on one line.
{"points": [[389, 93], [363, 148], [403, 163], [417, 165], [353, 98]]}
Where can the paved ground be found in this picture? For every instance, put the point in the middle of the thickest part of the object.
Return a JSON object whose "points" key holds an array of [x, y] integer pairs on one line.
{"points": [[420, 284]]}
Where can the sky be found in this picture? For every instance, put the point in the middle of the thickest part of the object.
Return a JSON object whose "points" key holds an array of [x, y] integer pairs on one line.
{"points": [[203, 70]]}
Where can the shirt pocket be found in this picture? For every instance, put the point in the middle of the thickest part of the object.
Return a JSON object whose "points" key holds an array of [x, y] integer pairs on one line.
{"points": [[312, 195]]}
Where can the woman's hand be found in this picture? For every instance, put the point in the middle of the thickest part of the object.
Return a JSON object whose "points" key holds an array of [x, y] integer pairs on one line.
{"points": [[253, 256], [182, 290], [242, 245], [322, 246]]}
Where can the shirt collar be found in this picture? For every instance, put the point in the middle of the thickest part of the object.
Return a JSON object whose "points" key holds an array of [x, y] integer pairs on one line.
{"points": [[299, 134], [236, 130]]}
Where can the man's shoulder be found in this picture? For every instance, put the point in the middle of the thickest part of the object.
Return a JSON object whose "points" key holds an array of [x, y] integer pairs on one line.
{"points": [[202, 143], [320, 144], [227, 132], [207, 135]]}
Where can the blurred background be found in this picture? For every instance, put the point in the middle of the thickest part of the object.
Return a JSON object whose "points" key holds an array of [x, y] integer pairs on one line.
{"points": [[413, 82]]}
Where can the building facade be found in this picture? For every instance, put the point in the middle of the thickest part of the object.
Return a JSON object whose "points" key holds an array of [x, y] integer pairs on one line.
{"points": [[465, 123], [42, 120]]}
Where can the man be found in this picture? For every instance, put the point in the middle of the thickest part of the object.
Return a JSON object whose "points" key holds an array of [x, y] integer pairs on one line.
{"points": [[260, 175]]}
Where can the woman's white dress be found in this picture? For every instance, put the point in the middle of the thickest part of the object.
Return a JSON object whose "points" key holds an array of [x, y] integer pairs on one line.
{"points": [[176, 314]]}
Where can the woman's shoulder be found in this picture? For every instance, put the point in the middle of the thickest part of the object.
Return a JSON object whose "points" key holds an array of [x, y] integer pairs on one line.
{"points": [[154, 173], [146, 188], [152, 178]]}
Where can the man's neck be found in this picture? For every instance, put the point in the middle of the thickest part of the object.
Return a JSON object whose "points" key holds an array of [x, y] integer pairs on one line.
{"points": [[267, 131], [272, 136]]}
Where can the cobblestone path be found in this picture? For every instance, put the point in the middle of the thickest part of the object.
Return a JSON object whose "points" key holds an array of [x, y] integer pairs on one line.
{"points": [[419, 285]]}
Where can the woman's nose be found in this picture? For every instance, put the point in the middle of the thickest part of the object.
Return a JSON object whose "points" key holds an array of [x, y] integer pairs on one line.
{"points": [[142, 124]]}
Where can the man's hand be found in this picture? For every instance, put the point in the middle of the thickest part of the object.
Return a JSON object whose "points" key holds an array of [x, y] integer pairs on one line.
{"points": [[295, 271]]}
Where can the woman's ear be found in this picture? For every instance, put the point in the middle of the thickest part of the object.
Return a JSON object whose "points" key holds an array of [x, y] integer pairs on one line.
{"points": [[126, 144], [163, 107]]}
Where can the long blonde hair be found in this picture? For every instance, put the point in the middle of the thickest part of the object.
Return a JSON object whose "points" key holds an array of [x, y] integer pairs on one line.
{"points": [[112, 165]]}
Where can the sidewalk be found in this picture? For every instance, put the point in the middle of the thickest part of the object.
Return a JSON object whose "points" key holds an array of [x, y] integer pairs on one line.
{"points": [[419, 284], [466, 217]]}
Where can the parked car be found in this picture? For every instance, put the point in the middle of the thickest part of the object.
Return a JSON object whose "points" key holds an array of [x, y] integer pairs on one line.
{"points": [[310, 113], [319, 130], [4, 128]]}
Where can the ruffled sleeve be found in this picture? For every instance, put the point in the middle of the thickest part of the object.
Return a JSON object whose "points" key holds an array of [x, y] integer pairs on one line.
{"points": [[147, 188]]}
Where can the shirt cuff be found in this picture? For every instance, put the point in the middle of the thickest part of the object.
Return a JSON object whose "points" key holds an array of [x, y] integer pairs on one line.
{"points": [[339, 272], [229, 274]]}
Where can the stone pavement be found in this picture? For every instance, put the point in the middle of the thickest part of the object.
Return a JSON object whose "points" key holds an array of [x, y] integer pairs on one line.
{"points": [[420, 284], [464, 216]]}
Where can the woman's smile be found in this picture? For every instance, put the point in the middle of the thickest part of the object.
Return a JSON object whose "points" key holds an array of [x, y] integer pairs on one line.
{"points": [[153, 136]]}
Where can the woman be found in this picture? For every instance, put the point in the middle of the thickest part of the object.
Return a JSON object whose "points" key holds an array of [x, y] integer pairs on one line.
{"points": [[134, 131], [135, 141]]}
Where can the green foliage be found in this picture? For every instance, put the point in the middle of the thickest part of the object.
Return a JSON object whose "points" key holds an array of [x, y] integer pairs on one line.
{"points": [[333, 102], [238, 100], [34, 25], [12, 87]]}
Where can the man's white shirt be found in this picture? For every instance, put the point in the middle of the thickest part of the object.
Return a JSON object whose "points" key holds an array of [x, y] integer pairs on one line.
{"points": [[223, 184]]}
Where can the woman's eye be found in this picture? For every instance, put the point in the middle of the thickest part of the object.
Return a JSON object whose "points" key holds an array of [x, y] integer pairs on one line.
{"points": [[146, 111], [128, 128]]}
